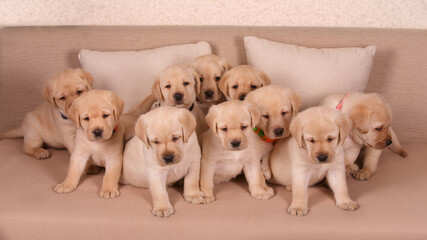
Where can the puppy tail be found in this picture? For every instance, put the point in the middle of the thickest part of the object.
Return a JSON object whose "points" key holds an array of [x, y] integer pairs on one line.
{"points": [[143, 107], [395, 146], [13, 133]]}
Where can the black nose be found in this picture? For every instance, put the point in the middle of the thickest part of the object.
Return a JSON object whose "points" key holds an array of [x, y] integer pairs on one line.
{"points": [[178, 96], [278, 131], [322, 157], [388, 143], [168, 158], [235, 143], [209, 94], [242, 97], [97, 132]]}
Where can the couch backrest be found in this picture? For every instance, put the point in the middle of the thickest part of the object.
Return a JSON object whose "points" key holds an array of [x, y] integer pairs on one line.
{"points": [[30, 55]]}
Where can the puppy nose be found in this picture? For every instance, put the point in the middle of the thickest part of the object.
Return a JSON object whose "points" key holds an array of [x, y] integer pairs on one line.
{"points": [[235, 143], [278, 131], [178, 96], [168, 158], [97, 132], [388, 143], [242, 97], [209, 93], [322, 157]]}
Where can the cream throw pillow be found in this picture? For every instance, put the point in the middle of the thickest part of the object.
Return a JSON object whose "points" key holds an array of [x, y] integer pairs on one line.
{"points": [[130, 74], [311, 72]]}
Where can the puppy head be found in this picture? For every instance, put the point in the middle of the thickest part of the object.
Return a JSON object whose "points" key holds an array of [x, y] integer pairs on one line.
{"points": [[67, 86], [210, 69], [165, 130], [177, 86], [233, 121], [371, 120], [278, 105], [320, 130], [97, 112], [239, 81]]}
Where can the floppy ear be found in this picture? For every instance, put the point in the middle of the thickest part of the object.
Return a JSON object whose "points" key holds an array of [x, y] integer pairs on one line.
{"points": [[156, 91], [188, 122], [255, 115], [264, 78], [227, 66], [343, 126], [251, 98], [141, 131], [47, 92], [86, 76], [118, 105], [196, 80], [211, 118], [296, 131], [73, 112], [360, 117], [223, 84], [295, 102]]}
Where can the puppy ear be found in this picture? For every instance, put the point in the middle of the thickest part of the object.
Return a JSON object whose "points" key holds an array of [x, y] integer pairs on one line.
{"points": [[156, 91], [47, 92], [295, 102], [73, 113], [255, 115], [251, 98], [118, 105], [296, 131], [360, 117], [211, 118], [227, 66], [344, 127], [223, 84], [196, 81], [86, 76], [141, 131], [188, 122], [264, 78]]}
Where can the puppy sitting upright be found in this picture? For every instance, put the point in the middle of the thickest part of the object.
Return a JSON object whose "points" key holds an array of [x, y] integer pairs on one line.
{"points": [[165, 150], [210, 69], [100, 137], [240, 80], [48, 123], [178, 86], [315, 152], [278, 105], [370, 117], [230, 146]]}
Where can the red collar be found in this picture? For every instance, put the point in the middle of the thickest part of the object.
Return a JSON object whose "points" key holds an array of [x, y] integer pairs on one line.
{"points": [[263, 136], [339, 106], [115, 129]]}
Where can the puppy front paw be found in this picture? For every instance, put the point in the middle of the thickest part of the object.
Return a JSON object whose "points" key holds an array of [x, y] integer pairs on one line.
{"points": [[163, 211], [349, 206], [109, 193], [263, 194], [197, 198], [297, 211], [362, 174], [64, 188], [351, 169], [41, 153]]}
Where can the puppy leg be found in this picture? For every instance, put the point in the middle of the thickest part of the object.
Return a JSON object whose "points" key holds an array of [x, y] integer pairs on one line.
{"points": [[33, 143], [192, 193], [75, 170], [110, 183], [337, 182], [161, 205], [370, 164], [265, 166], [207, 173], [349, 159], [395, 146], [257, 186], [299, 206]]}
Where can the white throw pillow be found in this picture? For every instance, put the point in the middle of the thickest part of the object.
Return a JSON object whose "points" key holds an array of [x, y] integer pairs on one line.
{"points": [[130, 74], [311, 72]]}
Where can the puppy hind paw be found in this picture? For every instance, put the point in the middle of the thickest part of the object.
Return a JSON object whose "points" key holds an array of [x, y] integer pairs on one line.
{"points": [[163, 212], [351, 169], [349, 206], [107, 194], [362, 174], [41, 153], [297, 211], [64, 188], [266, 173]]}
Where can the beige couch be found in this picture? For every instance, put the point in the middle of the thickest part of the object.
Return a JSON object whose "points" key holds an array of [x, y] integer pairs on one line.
{"points": [[392, 202]]}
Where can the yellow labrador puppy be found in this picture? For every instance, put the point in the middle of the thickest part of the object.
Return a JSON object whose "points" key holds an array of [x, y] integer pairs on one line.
{"points": [[165, 150], [178, 86], [370, 117], [48, 123], [210, 69], [100, 137], [315, 152], [240, 80], [278, 105], [230, 146]]}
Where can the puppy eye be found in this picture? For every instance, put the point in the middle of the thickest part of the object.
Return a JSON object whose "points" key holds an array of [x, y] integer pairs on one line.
{"points": [[217, 78], [243, 127], [86, 118], [284, 113], [62, 98], [175, 139], [379, 128], [330, 139], [266, 116], [168, 86], [105, 115], [79, 92], [156, 142], [186, 83], [235, 86], [311, 140], [224, 129], [253, 86], [201, 79]]}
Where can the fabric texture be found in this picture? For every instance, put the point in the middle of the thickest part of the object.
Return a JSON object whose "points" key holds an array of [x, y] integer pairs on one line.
{"points": [[130, 74], [311, 72]]}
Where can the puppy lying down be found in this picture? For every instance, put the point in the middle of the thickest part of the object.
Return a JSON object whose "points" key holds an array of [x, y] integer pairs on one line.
{"points": [[164, 150], [315, 152]]}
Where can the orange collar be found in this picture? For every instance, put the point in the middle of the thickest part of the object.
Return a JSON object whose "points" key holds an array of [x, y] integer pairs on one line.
{"points": [[339, 106], [263, 136], [115, 129]]}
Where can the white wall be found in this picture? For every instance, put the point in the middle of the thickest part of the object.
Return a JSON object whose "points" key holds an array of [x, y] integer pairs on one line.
{"points": [[331, 13]]}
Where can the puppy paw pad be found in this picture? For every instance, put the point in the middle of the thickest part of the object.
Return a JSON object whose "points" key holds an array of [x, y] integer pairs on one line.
{"points": [[163, 212], [350, 206], [297, 211]]}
